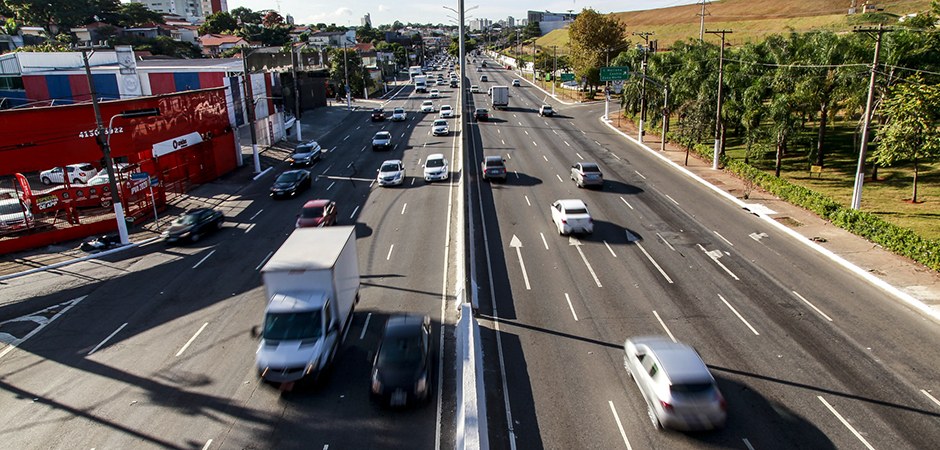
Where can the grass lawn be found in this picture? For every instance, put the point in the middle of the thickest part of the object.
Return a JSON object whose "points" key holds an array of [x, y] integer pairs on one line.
{"points": [[888, 197]]}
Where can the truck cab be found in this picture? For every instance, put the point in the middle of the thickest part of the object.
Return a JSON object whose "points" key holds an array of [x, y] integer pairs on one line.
{"points": [[298, 330]]}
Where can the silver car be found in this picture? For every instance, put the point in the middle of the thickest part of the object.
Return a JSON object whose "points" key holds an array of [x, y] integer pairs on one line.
{"points": [[679, 390], [587, 174]]}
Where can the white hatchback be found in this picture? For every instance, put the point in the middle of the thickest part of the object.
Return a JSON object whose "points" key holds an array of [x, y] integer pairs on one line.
{"points": [[572, 216], [77, 174], [447, 112], [427, 106], [435, 93]]}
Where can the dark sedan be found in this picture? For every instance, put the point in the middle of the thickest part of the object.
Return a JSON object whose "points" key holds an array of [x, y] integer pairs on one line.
{"points": [[378, 114], [401, 372], [481, 114], [290, 183], [193, 224]]}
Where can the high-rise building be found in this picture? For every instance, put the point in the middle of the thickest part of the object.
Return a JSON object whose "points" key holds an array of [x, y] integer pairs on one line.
{"points": [[366, 20], [210, 7], [190, 9], [510, 22]]}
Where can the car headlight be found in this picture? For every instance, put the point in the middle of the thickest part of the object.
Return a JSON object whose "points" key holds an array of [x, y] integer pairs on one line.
{"points": [[376, 384], [422, 384]]}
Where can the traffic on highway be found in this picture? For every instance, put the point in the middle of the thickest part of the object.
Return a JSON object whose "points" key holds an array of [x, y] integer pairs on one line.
{"points": [[621, 303]]}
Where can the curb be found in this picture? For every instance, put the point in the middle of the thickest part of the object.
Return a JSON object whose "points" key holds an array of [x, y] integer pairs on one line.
{"points": [[875, 281], [76, 260]]}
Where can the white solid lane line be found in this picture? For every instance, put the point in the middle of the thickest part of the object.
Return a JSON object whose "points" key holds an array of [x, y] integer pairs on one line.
{"points": [[559, 178], [330, 186], [389, 256], [660, 319], [626, 202], [932, 398], [354, 212], [714, 255], [256, 214], [573, 241], [812, 306], [610, 249], [403, 207], [723, 238], [264, 260], [640, 174], [190, 341], [203, 259], [665, 242], [747, 444], [661, 271], [571, 307], [845, 422], [738, 314], [620, 426], [208, 444], [579, 156], [107, 339], [365, 327]]}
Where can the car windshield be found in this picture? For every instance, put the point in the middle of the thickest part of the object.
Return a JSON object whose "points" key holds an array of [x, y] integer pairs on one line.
{"points": [[400, 351], [185, 219], [10, 208], [304, 149], [427, 103], [445, 108], [288, 177], [389, 167], [435, 163], [546, 108], [576, 211], [438, 123], [383, 135], [311, 212], [399, 111], [292, 326]]}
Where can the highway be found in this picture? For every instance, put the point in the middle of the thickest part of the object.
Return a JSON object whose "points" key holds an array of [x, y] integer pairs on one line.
{"points": [[152, 348], [806, 354]]}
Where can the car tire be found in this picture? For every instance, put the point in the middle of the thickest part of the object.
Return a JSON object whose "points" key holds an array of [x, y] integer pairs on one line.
{"points": [[46, 180], [218, 224], [194, 237], [653, 419], [78, 181]]}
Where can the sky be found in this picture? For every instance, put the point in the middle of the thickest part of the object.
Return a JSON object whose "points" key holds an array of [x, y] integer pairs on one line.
{"points": [[349, 12]]}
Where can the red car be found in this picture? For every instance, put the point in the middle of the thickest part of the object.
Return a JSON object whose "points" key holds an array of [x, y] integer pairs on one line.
{"points": [[317, 213]]}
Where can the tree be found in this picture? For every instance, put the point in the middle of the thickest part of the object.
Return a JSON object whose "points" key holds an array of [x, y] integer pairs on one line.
{"points": [[531, 31], [592, 36], [367, 34], [397, 25], [352, 67], [135, 14], [218, 23], [245, 16], [912, 132], [59, 15], [272, 19]]}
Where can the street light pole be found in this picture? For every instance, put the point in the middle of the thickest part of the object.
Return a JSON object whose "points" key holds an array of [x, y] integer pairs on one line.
{"points": [[554, 69], [294, 59], [346, 76]]}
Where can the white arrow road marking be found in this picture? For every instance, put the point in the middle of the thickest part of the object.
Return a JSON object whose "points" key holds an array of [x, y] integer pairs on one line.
{"points": [[758, 236], [577, 244], [714, 255], [517, 244]]}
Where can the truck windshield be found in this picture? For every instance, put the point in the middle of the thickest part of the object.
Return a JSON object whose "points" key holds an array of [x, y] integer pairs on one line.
{"points": [[292, 326]]}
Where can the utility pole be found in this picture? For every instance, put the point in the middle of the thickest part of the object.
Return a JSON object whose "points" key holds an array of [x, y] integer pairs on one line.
{"points": [[701, 30], [293, 61], [554, 69], [646, 38], [346, 76], [860, 172], [662, 145], [106, 150], [250, 106], [721, 57]]}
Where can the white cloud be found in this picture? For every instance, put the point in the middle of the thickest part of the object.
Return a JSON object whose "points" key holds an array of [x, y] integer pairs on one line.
{"points": [[344, 11], [383, 8]]}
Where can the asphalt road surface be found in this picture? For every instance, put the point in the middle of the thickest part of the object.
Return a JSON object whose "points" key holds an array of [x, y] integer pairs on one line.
{"points": [[151, 348], [806, 355]]}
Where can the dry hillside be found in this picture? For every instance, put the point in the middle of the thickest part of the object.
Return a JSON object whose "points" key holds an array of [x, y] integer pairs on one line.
{"points": [[748, 19]]}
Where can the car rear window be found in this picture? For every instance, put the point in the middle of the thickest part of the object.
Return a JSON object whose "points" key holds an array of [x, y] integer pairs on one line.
{"points": [[576, 211], [588, 168], [691, 388], [494, 163]]}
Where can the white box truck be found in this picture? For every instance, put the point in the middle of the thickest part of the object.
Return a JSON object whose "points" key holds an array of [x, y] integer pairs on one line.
{"points": [[312, 287], [421, 83], [499, 96]]}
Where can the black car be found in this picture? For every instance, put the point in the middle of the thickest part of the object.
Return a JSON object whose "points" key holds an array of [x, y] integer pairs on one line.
{"points": [[290, 183], [401, 372], [481, 114], [378, 114], [193, 224]]}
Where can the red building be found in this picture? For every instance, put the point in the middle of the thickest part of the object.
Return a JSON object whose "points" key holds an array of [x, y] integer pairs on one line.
{"points": [[190, 142]]}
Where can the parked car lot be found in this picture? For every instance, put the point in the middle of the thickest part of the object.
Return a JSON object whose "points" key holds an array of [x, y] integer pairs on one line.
{"points": [[77, 174]]}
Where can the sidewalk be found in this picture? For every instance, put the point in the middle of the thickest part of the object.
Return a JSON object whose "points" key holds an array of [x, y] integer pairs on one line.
{"points": [[315, 124]]}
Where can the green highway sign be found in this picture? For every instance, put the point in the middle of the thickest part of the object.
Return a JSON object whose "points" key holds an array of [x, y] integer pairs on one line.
{"points": [[615, 73], [567, 77]]}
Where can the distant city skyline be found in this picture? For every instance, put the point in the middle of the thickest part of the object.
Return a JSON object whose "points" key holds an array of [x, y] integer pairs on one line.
{"points": [[383, 12]]}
